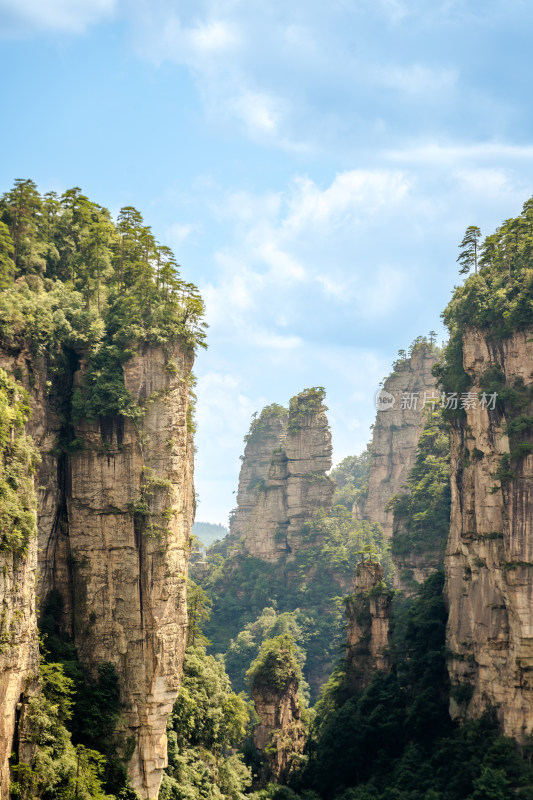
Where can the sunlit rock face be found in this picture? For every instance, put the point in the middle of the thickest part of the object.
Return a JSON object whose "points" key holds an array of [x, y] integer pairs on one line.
{"points": [[114, 520], [489, 559], [282, 483], [396, 434]]}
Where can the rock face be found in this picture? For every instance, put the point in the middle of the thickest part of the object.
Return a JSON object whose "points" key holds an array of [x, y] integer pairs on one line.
{"points": [[114, 521], [19, 651], [412, 569], [283, 481], [19, 654], [280, 736], [489, 559], [368, 631], [396, 433]]}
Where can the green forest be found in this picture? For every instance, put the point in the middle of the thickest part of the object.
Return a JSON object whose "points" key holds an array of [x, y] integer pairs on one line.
{"points": [[74, 283]]}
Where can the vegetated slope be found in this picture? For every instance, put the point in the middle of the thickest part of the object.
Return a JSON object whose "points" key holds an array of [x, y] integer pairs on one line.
{"points": [[421, 511], [100, 330], [396, 739]]}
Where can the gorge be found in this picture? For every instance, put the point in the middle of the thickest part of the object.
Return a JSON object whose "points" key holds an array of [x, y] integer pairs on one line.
{"points": [[362, 632]]}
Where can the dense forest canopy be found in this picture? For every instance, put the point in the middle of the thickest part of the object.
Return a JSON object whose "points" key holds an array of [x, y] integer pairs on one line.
{"points": [[75, 281]]}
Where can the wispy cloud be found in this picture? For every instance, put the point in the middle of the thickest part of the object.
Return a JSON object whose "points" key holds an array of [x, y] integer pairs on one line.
{"points": [[68, 16]]}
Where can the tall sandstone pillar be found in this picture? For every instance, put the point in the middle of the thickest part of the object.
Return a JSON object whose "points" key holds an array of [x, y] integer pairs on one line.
{"points": [[489, 559]]}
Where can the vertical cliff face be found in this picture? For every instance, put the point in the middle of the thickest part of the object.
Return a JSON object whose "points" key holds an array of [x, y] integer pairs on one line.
{"points": [[396, 433], [283, 479], [116, 548], [114, 519], [19, 655], [489, 560], [259, 510], [368, 631]]}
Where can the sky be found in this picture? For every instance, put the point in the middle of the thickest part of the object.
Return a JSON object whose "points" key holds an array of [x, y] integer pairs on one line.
{"points": [[313, 165]]}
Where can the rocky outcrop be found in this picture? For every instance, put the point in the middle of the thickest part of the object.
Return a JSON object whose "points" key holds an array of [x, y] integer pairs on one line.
{"points": [[114, 516], [396, 432], [368, 631], [280, 736], [489, 559], [283, 481]]}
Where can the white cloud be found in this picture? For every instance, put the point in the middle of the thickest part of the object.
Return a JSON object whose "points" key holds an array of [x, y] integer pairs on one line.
{"points": [[435, 153], [260, 112], [303, 247], [68, 16], [322, 284], [353, 195]]}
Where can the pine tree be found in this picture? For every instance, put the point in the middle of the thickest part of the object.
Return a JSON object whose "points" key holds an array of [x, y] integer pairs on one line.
{"points": [[469, 246], [22, 214]]}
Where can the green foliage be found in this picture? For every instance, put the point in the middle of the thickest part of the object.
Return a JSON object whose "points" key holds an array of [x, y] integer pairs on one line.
{"points": [[263, 425], [198, 612], [499, 298], [351, 479], [88, 285], [310, 401], [207, 722], [276, 665], [58, 769], [396, 740], [308, 586], [422, 512], [18, 462], [467, 258], [90, 709], [245, 647]]}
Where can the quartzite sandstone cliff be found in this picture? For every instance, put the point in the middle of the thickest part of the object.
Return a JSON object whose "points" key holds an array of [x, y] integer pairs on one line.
{"points": [[19, 654], [283, 481], [489, 560], [114, 522], [396, 433]]}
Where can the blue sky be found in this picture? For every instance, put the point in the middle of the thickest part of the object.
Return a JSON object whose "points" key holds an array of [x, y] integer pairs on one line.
{"points": [[314, 166]]}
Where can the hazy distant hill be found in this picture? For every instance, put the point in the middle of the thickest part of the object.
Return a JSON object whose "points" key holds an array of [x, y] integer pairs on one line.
{"points": [[209, 532]]}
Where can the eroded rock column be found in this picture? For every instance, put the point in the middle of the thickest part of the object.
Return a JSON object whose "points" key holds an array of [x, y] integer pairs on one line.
{"points": [[489, 559]]}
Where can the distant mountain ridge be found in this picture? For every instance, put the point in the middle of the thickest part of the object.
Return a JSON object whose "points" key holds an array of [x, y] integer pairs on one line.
{"points": [[209, 532]]}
